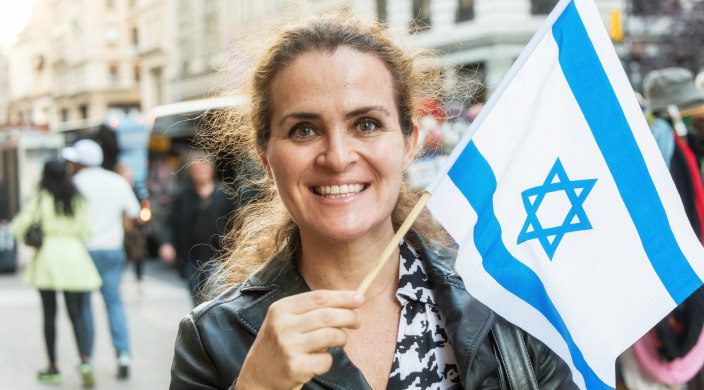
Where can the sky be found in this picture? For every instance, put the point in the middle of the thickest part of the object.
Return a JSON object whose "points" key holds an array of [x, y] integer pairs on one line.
{"points": [[13, 15]]}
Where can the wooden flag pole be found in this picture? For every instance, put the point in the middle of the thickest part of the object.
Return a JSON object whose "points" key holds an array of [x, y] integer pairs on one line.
{"points": [[395, 241], [405, 226]]}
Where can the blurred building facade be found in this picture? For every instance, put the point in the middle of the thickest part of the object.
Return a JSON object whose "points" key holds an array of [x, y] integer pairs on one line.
{"points": [[208, 37], [151, 29], [482, 38], [77, 59], [73, 62]]}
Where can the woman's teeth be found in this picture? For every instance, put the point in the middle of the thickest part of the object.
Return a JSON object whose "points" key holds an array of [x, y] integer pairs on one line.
{"points": [[339, 191]]}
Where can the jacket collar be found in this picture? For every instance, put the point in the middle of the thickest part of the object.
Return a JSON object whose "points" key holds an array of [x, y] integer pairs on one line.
{"points": [[277, 279], [467, 321]]}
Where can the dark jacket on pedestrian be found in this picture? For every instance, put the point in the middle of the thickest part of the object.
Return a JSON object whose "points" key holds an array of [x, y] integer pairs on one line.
{"points": [[213, 340], [195, 226]]}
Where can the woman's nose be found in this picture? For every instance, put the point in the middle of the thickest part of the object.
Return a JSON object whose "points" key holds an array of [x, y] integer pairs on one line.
{"points": [[338, 152]]}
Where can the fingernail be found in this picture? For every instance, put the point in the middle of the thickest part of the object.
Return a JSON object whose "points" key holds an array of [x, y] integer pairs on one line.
{"points": [[358, 298]]}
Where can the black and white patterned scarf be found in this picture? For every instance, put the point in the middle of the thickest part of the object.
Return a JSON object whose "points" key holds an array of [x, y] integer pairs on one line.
{"points": [[423, 358]]}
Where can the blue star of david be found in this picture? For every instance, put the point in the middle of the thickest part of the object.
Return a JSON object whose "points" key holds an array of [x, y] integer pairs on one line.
{"points": [[575, 220]]}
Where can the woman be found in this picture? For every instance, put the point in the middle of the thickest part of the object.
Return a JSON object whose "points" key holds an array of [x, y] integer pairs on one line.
{"points": [[61, 263], [331, 119]]}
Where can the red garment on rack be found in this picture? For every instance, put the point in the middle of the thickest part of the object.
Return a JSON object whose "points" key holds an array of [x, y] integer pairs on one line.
{"points": [[697, 186]]}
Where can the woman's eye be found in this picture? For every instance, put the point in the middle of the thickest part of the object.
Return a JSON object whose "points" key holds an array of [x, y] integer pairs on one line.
{"points": [[302, 131], [367, 125]]}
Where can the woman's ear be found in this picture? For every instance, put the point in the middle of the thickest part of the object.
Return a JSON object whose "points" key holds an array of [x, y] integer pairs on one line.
{"points": [[411, 145], [262, 158]]}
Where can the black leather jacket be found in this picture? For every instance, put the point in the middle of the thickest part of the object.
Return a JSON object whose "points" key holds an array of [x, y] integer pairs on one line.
{"points": [[213, 340]]}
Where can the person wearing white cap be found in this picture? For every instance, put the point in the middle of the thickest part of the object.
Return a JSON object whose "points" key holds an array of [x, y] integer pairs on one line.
{"points": [[109, 195]]}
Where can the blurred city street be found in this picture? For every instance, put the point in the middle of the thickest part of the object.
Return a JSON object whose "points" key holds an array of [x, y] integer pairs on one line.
{"points": [[153, 315], [137, 125]]}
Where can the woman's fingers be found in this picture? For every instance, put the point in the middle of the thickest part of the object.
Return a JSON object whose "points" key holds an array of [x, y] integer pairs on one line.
{"points": [[327, 317], [307, 366], [297, 332], [322, 339], [312, 310], [319, 363], [311, 300]]}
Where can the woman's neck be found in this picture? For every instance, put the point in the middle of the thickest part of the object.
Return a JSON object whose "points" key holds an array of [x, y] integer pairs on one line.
{"points": [[343, 265]]}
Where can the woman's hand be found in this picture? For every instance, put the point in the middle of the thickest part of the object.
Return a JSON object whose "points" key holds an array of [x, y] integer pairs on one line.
{"points": [[291, 347]]}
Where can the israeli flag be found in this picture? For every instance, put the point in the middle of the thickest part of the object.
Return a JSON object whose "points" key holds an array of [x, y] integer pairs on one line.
{"points": [[565, 213]]}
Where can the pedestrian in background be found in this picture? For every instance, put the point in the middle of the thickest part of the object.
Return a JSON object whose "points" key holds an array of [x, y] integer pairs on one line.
{"points": [[61, 263], [196, 224], [135, 239], [109, 197]]}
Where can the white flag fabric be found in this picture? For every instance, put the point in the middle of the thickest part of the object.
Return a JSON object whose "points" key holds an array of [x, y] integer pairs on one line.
{"points": [[566, 217]]}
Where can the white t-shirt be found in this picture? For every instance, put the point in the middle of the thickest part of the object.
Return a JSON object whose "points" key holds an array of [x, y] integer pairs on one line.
{"points": [[108, 195]]}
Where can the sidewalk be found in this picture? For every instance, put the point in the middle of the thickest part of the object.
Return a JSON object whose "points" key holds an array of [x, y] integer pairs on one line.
{"points": [[153, 316]]}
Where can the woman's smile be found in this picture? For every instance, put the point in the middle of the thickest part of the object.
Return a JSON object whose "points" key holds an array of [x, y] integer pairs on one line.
{"points": [[339, 191]]}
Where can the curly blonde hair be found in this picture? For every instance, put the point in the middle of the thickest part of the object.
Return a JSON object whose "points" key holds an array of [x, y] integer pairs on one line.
{"points": [[264, 227]]}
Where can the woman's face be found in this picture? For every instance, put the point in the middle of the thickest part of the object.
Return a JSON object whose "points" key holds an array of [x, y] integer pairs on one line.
{"points": [[336, 151]]}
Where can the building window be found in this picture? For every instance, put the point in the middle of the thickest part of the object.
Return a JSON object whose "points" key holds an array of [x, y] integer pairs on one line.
{"points": [[655, 7], [542, 7], [134, 36], [210, 23], [110, 4], [465, 10], [113, 75], [136, 74], [381, 10], [83, 108], [157, 85], [39, 63], [112, 34], [76, 29], [64, 115], [421, 15]]}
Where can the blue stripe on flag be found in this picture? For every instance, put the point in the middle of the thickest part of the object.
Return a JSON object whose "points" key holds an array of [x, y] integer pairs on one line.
{"points": [[479, 188], [602, 110]]}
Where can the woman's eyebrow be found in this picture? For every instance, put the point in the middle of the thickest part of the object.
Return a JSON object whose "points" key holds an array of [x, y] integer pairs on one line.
{"points": [[351, 114], [364, 110], [298, 115]]}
